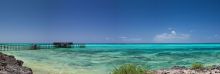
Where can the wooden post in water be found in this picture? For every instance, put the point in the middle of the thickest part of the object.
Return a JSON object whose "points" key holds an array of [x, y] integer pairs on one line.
{"points": [[11, 47], [3, 49], [0, 46], [17, 47], [6, 47]]}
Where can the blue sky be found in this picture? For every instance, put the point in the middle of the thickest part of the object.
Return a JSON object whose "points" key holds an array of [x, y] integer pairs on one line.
{"points": [[110, 21]]}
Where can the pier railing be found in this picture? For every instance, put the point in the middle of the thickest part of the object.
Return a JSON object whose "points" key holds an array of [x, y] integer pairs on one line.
{"points": [[32, 46]]}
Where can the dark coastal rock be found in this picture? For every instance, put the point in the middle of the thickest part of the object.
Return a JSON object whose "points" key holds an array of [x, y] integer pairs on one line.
{"points": [[214, 69], [9, 65]]}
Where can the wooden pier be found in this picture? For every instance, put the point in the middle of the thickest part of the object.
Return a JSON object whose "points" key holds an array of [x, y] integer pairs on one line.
{"points": [[37, 46], [62, 44]]}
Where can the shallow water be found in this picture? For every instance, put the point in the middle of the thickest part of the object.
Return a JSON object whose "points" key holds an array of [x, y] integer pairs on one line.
{"points": [[102, 58]]}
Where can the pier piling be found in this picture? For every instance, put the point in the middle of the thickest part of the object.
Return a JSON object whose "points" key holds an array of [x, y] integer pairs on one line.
{"points": [[32, 46]]}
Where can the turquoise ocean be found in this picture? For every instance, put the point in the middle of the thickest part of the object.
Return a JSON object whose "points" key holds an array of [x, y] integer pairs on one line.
{"points": [[102, 58]]}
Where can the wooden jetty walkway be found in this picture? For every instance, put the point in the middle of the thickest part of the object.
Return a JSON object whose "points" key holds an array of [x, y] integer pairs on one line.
{"points": [[37, 46]]}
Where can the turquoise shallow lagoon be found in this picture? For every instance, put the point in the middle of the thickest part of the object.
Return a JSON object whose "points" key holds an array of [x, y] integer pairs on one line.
{"points": [[102, 58]]}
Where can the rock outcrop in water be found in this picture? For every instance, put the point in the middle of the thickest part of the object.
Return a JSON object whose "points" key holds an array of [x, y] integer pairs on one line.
{"points": [[9, 65], [215, 69]]}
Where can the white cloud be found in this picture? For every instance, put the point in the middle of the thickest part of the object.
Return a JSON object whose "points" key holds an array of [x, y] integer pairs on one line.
{"points": [[173, 32], [171, 37]]}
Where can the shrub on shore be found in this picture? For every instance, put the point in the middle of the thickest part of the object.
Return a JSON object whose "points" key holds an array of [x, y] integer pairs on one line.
{"points": [[197, 65], [130, 69]]}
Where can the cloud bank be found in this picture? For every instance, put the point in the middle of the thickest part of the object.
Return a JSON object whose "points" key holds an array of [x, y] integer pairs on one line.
{"points": [[171, 37]]}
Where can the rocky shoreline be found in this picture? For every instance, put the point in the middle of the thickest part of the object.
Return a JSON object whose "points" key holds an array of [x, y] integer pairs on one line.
{"points": [[10, 65], [214, 69]]}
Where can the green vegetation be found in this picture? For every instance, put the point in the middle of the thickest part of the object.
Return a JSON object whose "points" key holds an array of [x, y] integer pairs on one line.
{"points": [[130, 69], [197, 65]]}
